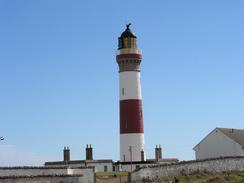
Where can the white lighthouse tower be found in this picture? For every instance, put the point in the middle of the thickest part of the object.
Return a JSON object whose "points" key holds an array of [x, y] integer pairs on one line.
{"points": [[131, 119]]}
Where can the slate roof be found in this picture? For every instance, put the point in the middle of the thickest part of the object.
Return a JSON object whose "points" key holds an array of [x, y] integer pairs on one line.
{"points": [[78, 162], [235, 134]]}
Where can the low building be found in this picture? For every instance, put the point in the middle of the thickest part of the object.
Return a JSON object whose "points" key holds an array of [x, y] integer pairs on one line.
{"points": [[221, 142], [107, 165], [98, 165], [102, 165], [133, 165]]}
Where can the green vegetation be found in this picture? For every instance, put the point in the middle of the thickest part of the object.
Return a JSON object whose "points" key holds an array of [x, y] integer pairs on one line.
{"points": [[206, 177], [111, 174], [111, 177], [197, 177]]}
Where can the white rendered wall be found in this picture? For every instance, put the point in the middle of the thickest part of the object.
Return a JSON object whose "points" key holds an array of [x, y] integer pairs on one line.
{"points": [[130, 85], [136, 141], [99, 167], [217, 144]]}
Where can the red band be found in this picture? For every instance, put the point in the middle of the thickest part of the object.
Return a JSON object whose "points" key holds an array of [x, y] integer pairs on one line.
{"points": [[131, 120], [132, 56]]}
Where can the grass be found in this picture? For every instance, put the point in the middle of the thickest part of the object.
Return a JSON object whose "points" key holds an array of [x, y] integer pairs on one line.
{"points": [[111, 174], [208, 177]]}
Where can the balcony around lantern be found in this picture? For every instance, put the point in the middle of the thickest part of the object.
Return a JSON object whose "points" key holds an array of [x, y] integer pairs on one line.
{"points": [[128, 50]]}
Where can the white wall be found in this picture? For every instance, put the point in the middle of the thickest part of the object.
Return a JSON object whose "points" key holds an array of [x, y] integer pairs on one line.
{"points": [[88, 174], [217, 144], [99, 167]]}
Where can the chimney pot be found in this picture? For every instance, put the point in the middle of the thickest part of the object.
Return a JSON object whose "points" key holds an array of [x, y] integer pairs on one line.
{"points": [[66, 154]]}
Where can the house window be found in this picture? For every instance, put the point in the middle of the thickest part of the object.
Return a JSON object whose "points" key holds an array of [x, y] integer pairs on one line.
{"points": [[105, 168], [123, 91]]}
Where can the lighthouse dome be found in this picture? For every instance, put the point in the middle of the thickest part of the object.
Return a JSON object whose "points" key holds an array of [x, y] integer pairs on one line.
{"points": [[127, 39], [128, 33]]}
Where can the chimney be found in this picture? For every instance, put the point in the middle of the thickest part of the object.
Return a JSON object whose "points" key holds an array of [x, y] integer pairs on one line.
{"points": [[66, 154], [156, 153], [142, 156], [89, 155], [160, 151]]}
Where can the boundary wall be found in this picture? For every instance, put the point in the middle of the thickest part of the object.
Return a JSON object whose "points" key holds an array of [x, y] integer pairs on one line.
{"points": [[188, 167], [85, 174]]}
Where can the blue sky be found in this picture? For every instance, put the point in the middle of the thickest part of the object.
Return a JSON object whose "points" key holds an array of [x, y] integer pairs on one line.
{"points": [[59, 77]]}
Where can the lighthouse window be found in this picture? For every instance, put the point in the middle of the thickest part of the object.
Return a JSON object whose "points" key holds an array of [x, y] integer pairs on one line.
{"points": [[126, 125], [129, 43], [123, 91]]}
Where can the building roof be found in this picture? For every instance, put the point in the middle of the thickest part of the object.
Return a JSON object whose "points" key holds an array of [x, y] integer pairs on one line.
{"points": [[78, 162], [235, 134]]}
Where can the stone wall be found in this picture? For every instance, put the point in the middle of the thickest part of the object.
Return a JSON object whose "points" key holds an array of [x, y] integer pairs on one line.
{"points": [[188, 167], [42, 179], [32, 171], [86, 174]]}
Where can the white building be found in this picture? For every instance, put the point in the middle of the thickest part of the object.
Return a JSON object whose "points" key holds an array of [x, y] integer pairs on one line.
{"points": [[102, 165], [221, 142]]}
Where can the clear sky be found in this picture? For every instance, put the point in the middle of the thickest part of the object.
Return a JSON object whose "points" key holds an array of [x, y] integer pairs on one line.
{"points": [[59, 77]]}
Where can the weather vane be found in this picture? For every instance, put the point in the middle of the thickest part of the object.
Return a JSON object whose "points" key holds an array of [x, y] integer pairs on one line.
{"points": [[128, 26]]}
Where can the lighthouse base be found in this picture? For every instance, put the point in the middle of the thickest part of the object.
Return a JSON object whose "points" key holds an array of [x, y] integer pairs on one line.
{"points": [[131, 145]]}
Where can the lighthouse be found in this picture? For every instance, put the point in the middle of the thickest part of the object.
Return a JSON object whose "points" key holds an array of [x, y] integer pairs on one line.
{"points": [[131, 119]]}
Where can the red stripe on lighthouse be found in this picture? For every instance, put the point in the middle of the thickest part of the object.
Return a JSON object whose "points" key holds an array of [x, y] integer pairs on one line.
{"points": [[131, 120], [129, 56]]}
